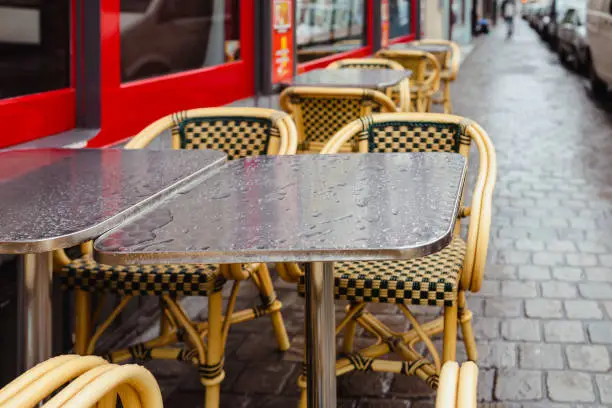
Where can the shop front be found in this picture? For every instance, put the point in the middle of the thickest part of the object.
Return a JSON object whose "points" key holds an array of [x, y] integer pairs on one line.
{"points": [[113, 66]]}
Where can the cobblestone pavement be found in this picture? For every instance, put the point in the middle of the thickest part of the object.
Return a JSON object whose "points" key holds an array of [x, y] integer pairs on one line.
{"points": [[543, 319]]}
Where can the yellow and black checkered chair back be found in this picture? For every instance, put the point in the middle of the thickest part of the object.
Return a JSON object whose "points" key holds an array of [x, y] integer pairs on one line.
{"points": [[365, 63], [239, 132], [430, 132], [399, 94], [320, 112]]}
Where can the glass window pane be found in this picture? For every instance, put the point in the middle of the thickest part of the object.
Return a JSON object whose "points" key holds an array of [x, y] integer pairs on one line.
{"points": [[399, 18], [160, 37], [326, 27], [34, 46]]}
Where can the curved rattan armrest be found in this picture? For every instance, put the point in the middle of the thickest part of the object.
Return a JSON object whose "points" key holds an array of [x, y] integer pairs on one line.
{"points": [[455, 60], [457, 387], [433, 81], [352, 62], [135, 385], [446, 396], [404, 91], [288, 132], [383, 100], [42, 380], [482, 242], [468, 385]]}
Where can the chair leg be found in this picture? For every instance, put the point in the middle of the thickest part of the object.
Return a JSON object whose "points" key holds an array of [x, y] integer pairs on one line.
{"points": [[266, 290], [449, 347], [448, 108], [350, 328], [82, 328], [465, 319], [164, 322], [212, 372], [349, 336]]}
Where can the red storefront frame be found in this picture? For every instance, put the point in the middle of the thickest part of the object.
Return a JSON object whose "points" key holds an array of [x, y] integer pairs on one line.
{"points": [[127, 108], [30, 117]]}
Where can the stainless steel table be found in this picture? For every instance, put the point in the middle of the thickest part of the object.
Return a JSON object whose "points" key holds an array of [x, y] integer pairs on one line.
{"points": [[432, 48], [377, 79], [57, 198], [306, 208]]}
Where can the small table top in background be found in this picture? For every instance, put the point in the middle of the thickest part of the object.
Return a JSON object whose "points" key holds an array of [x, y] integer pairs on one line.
{"points": [[300, 208], [432, 48], [377, 79], [56, 198]]}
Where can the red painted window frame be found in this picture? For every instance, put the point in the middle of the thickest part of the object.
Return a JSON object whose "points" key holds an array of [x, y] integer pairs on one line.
{"points": [[127, 108], [412, 36], [356, 53], [33, 116]]}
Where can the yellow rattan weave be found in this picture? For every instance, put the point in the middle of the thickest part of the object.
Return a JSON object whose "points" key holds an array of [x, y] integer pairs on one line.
{"points": [[429, 281], [320, 112]]}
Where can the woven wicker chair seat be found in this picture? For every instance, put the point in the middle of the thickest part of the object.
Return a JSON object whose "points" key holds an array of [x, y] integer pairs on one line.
{"points": [[429, 281], [172, 280]]}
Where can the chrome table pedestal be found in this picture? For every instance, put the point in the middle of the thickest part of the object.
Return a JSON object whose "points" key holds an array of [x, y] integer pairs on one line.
{"points": [[314, 209]]}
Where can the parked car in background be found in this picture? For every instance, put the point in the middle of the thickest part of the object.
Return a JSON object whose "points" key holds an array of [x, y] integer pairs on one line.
{"points": [[542, 21], [572, 37], [599, 39]]}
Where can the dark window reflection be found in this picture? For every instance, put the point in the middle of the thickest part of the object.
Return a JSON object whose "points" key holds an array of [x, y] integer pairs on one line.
{"points": [[159, 37], [326, 27], [399, 18], [34, 46]]}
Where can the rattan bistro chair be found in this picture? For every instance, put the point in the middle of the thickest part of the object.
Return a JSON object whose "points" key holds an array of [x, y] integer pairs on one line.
{"points": [[240, 132], [439, 280], [425, 79], [320, 112], [458, 386], [72, 381], [400, 94], [449, 62]]}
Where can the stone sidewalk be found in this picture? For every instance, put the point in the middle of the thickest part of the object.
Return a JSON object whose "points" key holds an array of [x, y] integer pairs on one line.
{"points": [[543, 319]]}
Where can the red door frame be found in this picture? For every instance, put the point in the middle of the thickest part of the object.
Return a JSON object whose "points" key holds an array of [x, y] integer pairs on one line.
{"points": [[413, 23], [128, 108], [29, 117], [356, 53]]}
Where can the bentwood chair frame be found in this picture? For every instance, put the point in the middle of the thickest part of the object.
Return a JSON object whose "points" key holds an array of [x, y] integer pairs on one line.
{"points": [[400, 94], [449, 62], [458, 386], [425, 79], [204, 280], [319, 112], [440, 279], [72, 381]]}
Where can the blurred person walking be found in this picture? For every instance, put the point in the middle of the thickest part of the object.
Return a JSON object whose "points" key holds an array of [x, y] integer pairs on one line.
{"points": [[508, 10]]}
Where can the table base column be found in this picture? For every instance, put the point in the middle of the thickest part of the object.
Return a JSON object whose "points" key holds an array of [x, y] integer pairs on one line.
{"points": [[34, 339], [320, 335]]}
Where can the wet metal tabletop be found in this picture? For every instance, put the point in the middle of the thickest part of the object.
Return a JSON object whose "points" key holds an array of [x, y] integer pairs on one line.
{"points": [[300, 208], [56, 198], [303, 208], [433, 48], [351, 78]]}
